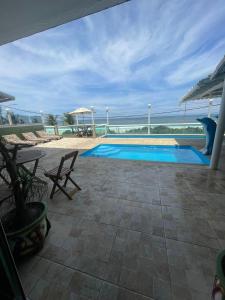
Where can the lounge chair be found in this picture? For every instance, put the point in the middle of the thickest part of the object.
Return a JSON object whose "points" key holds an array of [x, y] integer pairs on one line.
{"points": [[60, 173], [51, 137], [13, 139], [30, 136]]}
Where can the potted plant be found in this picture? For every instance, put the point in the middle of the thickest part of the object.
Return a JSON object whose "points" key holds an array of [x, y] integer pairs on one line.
{"points": [[25, 223]]}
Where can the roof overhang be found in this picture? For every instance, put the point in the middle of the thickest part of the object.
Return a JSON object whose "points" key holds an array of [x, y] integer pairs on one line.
{"points": [[209, 87], [220, 69], [206, 88], [5, 97], [22, 18]]}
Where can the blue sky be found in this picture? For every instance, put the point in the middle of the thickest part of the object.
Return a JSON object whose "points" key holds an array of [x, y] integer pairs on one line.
{"points": [[140, 52]]}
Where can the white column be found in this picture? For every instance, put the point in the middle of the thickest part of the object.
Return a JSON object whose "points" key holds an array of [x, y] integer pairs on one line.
{"points": [[92, 115], [149, 118], [107, 115], [9, 116], [56, 126], [93, 121], [218, 142], [107, 120], [210, 108], [29, 119], [42, 118]]}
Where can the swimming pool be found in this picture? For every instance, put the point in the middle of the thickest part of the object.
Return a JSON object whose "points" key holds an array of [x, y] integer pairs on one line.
{"points": [[156, 136], [159, 153]]}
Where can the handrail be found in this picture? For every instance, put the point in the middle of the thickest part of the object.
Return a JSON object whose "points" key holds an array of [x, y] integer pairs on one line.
{"points": [[126, 125], [74, 125], [20, 125], [156, 134], [104, 129], [152, 124]]}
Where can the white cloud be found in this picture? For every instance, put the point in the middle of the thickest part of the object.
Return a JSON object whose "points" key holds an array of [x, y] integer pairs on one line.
{"points": [[197, 66]]}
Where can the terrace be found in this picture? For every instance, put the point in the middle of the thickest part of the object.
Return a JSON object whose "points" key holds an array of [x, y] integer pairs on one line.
{"points": [[136, 230]]}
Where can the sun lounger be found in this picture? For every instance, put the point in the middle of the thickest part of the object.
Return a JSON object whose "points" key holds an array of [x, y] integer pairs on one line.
{"points": [[30, 136], [43, 134], [13, 139]]}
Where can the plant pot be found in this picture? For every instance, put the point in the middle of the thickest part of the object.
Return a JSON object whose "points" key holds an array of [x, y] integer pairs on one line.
{"points": [[30, 238]]}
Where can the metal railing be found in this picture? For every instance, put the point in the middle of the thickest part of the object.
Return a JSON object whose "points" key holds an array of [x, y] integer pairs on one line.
{"points": [[156, 129], [132, 129], [10, 117]]}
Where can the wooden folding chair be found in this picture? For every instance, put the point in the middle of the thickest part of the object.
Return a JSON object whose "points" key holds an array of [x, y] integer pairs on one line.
{"points": [[61, 173]]}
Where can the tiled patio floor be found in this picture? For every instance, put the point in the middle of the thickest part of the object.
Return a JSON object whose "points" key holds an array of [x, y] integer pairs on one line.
{"points": [[136, 231]]}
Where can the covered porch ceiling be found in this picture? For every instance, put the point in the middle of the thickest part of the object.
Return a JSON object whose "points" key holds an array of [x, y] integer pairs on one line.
{"points": [[22, 18]]}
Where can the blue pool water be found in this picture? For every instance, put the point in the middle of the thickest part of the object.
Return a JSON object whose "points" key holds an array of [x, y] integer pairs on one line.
{"points": [[171, 154], [156, 136]]}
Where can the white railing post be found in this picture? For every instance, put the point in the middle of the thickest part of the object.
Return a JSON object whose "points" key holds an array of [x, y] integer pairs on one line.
{"points": [[42, 118], [210, 108], [149, 118], [56, 129], [9, 116], [107, 115], [93, 121]]}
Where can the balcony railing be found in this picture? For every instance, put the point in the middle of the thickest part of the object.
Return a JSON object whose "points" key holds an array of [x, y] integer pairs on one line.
{"points": [[132, 129]]}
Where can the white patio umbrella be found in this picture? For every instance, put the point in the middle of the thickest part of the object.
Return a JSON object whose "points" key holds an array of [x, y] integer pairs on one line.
{"points": [[81, 111]]}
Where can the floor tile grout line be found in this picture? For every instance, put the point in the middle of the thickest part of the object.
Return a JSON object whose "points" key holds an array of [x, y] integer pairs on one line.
{"points": [[138, 207], [166, 249], [144, 232], [192, 244], [90, 275], [221, 247]]}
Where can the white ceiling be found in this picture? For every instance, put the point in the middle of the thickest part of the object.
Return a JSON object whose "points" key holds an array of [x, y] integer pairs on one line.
{"points": [[21, 18]]}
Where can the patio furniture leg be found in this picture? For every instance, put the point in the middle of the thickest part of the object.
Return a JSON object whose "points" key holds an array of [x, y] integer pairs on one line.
{"points": [[65, 182], [76, 185], [53, 190], [33, 172], [62, 189], [35, 167]]}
